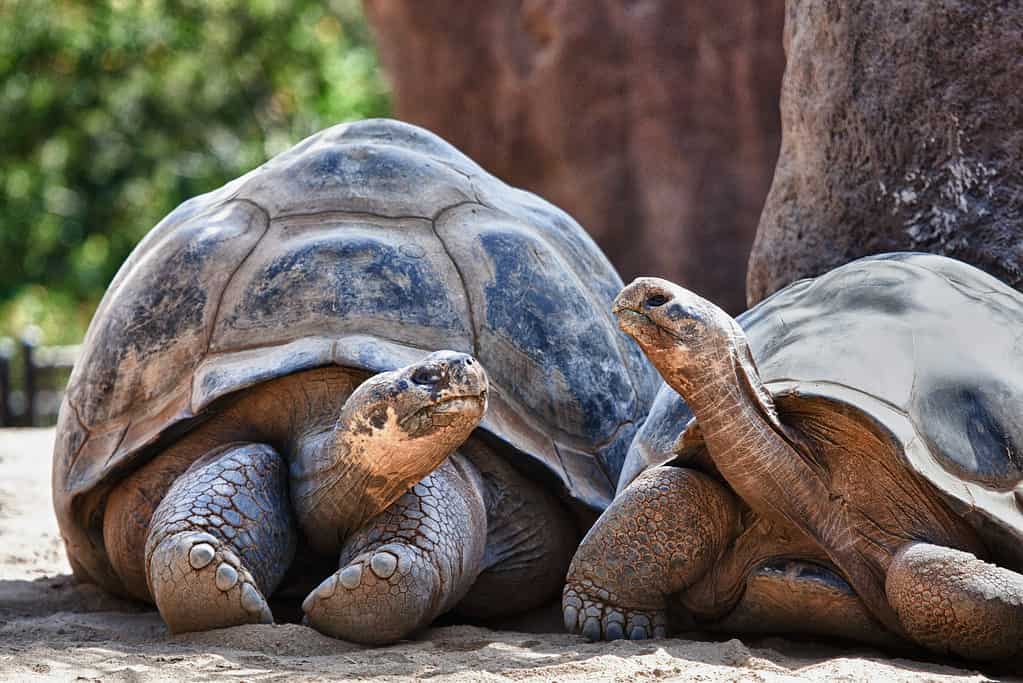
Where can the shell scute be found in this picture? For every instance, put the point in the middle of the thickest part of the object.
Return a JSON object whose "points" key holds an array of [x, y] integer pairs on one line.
{"points": [[346, 277], [160, 319]]}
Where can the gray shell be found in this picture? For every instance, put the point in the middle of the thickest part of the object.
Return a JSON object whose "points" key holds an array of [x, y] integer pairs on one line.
{"points": [[928, 347], [367, 245]]}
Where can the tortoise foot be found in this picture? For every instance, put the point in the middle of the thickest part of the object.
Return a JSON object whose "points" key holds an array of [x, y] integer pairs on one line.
{"points": [[379, 597], [658, 536], [411, 563], [199, 584], [597, 619], [220, 539]]}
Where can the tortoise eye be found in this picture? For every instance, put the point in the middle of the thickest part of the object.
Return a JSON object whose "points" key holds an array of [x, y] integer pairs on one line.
{"points": [[427, 376], [655, 300]]}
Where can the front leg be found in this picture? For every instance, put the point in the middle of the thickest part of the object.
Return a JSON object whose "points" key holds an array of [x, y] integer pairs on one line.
{"points": [[531, 537], [952, 602], [221, 540], [409, 564], [656, 538]]}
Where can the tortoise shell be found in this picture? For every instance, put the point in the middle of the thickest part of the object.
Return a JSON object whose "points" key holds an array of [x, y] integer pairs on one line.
{"points": [[928, 348], [367, 245]]}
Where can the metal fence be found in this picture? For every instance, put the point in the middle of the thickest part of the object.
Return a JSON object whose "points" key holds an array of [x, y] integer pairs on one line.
{"points": [[32, 379]]}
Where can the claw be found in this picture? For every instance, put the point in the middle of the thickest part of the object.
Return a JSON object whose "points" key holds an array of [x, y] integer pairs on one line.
{"points": [[351, 576], [201, 555], [594, 619], [386, 594], [198, 585], [571, 618], [227, 577], [383, 564]]}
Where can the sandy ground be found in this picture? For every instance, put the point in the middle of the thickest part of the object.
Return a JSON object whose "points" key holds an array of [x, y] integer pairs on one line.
{"points": [[54, 629]]}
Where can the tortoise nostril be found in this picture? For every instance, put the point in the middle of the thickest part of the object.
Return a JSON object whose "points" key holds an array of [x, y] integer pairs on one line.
{"points": [[468, 361], [655, 300]]}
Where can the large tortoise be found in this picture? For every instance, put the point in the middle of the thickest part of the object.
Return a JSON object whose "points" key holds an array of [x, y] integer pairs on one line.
{"points": [[857, 483], [262, 362]]}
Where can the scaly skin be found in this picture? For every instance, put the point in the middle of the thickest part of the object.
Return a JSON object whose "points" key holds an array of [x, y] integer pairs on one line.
{"points": [[221, 540], [410, 564], [531, 536], [350, 443], [951, 602], [474, 535], [657, 537]]}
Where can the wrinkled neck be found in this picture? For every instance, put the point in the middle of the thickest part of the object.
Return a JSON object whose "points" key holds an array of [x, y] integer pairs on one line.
{"points": [[746, 441], [755, 455], [327, 477], [343, 477]]}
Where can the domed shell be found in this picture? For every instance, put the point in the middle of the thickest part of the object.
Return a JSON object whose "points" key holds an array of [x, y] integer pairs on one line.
{"points": [[367, 245], [927, 347]]}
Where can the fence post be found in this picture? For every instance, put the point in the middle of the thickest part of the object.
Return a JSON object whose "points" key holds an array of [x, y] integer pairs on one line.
{"points": [[6, 355], [29, 341]]}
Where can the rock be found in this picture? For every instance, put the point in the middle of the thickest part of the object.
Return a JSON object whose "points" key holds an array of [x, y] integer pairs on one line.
{"points": [[654, 123], [903, 130]]}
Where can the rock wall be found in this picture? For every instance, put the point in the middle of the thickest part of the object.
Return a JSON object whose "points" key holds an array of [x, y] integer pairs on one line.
{"points": [[654, 123], [903, 130]]}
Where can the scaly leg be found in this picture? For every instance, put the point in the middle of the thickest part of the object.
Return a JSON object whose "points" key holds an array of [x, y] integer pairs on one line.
{"points": [[656, 538], [409, 564], [221, 540], [950, 601], [531, 537]]}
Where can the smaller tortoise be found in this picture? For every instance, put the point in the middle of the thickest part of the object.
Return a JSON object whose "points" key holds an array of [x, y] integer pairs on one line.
{"points": [[280, 361], [865, 481]]}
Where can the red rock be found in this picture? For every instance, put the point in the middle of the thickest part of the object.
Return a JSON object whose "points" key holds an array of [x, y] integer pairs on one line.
{"points": [[903, 130]]}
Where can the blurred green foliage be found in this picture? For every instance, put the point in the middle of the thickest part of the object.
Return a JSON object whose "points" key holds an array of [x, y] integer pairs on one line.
{"points": [[114, 112]]}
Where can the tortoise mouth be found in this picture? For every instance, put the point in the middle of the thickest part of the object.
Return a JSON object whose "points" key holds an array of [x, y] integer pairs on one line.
{"points": [[628, 317], [451, 407], [635, 323]]}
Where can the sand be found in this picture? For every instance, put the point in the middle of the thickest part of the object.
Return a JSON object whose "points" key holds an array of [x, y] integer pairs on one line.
{"points": [[52, 628]]}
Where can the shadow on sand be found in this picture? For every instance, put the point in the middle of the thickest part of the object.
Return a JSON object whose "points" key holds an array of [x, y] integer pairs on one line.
{"points": [[54, 625]]}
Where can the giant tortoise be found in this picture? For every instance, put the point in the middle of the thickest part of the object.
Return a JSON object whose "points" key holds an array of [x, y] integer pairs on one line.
{"points": [[295, 360], [854, 466]]}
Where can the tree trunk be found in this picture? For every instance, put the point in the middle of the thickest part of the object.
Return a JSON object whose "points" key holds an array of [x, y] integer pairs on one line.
{"points": [[903, 130], [653, 123]]}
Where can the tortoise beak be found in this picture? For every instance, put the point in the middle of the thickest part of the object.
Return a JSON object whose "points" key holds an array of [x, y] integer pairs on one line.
{"points": [[632, 322]]}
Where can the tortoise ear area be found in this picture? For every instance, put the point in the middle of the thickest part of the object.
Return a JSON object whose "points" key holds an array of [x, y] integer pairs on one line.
{"points": [[383, 392], [378, 416], [677, 311]]}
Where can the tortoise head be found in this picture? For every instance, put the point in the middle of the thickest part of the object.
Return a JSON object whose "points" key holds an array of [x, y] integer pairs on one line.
{"points": [[682, 334], [441, 399], [395, 429]]}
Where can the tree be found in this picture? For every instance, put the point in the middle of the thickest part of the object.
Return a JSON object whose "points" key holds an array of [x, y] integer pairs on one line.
{"points": [[112, 113]]}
